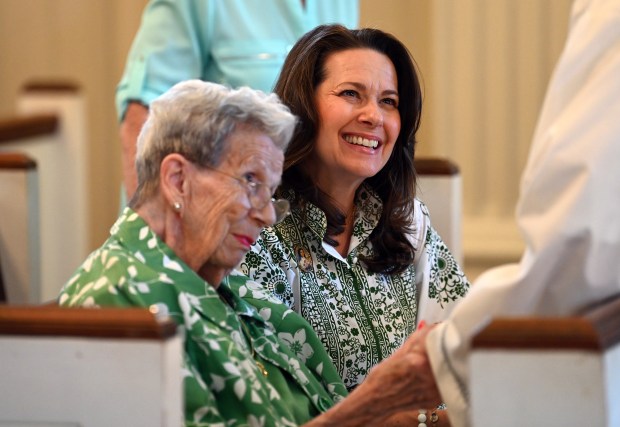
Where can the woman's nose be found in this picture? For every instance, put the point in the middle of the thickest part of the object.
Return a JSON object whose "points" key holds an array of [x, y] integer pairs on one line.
{"points": [[266, 215], [371, 114]]}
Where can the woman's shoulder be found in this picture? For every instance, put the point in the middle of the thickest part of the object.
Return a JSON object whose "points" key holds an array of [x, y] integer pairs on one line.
{"points": [[107, 277], [420, 223], [420, 210]]}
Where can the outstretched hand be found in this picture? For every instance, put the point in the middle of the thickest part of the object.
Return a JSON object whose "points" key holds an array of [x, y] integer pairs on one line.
{"points": [[405, 380], [402, 382]]}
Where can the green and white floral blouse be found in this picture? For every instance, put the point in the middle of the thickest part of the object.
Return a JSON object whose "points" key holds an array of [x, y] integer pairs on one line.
{"points": [[223, 385], [360, 317]]}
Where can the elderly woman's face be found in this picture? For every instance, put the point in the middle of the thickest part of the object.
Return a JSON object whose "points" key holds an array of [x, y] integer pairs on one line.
{"points": [[222, 222], [358, 112]]}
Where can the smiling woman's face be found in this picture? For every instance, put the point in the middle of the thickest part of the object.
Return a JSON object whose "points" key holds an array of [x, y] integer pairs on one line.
{"points": [[220, 224], [359, 120]]}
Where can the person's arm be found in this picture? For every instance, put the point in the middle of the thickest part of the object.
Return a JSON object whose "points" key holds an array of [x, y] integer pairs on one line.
{"points": [[440, 281], [135, 117], [568, 205], [402, 382], [171, 45], [168, 48]]}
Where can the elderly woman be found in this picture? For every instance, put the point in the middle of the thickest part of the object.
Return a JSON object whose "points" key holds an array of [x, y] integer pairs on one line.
{"points": [[209, 159], [358, 257]]}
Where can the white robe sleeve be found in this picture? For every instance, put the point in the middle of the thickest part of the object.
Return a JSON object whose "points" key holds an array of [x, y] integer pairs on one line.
{"points": [[569, 206]]}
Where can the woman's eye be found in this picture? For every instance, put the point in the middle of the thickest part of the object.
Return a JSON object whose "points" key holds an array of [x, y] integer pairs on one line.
{"points": [[349, 92], [391, 101], [250, 178]]}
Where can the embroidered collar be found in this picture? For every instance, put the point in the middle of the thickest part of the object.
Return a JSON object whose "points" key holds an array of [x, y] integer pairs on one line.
{"points": [[368, 209]]}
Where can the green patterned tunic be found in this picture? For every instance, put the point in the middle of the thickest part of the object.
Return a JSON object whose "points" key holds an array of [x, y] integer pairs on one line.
{"points": [[223, 384], [360, 317]]}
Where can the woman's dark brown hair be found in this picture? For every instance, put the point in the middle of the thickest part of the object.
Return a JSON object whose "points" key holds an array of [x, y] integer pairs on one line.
{"points": [[303, 71]]}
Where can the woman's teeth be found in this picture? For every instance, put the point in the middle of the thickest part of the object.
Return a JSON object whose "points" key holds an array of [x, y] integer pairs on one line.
{"points": [[358, 140]]}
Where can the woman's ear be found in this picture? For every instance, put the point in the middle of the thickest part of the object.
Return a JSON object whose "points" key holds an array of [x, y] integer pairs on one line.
{"points": [[174, 179]]}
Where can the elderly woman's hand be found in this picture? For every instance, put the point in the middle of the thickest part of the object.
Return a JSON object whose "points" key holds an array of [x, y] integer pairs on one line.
{"points": [[402, 382]]}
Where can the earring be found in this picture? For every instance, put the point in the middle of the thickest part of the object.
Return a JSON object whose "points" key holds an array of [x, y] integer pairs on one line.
{"points": [[176, 206]]}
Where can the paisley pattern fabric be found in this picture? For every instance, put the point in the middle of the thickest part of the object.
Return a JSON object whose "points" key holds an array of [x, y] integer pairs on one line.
{"points": [[360, 317], [224, 334]]}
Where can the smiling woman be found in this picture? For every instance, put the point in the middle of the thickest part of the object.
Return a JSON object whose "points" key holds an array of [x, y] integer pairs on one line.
{"points": [[360, 97], [357, 257]]}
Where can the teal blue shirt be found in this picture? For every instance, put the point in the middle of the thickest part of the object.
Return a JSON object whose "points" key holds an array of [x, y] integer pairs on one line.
{"points": [[232, 42]]}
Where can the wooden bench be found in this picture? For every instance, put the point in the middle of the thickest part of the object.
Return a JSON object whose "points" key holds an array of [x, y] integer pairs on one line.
{"points": [[89, 367], [440, 188], [50, 128], [548, 371], [20, 267]]}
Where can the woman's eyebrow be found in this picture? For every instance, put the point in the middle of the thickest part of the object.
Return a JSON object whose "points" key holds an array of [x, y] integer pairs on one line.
{"points": [[362, 87]]}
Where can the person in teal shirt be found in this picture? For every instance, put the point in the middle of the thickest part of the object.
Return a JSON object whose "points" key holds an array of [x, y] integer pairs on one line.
{"points": [[231, 42], [209, 159]]}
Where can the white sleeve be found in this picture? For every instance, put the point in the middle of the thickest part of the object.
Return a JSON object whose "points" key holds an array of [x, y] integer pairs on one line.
{"points": [[568, 209], [440, 281]]}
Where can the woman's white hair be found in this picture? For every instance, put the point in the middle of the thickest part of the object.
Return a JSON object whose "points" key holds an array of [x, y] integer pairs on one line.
{"points": [[195, 118]]}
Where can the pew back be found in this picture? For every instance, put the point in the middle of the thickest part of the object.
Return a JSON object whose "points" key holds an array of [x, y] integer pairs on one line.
{"points": [[19, 228], [440, 188], [53, 134], [548, 371], [89, 368]]}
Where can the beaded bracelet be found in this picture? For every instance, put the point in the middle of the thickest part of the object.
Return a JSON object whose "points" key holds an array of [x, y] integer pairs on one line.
{"points": [[422, 418]]}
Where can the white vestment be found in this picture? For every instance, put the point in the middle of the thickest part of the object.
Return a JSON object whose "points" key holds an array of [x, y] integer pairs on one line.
{"points": [[569, 206]]}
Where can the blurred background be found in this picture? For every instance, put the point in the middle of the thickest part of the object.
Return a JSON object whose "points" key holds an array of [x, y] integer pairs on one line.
{"points": [[485, 66]]}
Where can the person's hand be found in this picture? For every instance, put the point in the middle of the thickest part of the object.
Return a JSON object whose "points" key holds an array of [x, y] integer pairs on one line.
{"points": [[402, 382], [405, 381]]}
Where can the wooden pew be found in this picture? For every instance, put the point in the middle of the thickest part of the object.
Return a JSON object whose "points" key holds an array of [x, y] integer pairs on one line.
{"points": [[440, 188], [20, 267], [89, 367], [50, 128], [2, 289], [548, 371]]}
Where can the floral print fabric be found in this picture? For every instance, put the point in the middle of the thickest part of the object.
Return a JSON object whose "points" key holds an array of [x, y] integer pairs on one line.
{"points": [[360, 317], [223, 383]]}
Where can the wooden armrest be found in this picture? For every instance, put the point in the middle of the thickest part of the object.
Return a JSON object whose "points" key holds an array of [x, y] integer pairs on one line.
{"points": [[435, 166], [16, 161], [2, 290], [108, 322], [56, 86], [15, 128], [597, 328]]}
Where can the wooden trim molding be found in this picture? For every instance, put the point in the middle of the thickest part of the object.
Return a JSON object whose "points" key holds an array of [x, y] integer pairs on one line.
{"points": [[2, 290], [16, 128], [107, 322], [16, 161], [435, 166], [51, 86], [595, 329], [605, 318]]}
